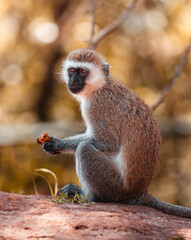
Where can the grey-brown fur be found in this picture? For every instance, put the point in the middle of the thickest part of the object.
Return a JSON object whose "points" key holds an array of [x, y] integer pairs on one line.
{"points": [[132, 126], [85, 55], [120, 152]]}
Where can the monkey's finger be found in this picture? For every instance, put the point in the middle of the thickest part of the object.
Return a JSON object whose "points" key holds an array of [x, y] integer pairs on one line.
{"points": [[47, 145], [54, 153], [51, 152]]}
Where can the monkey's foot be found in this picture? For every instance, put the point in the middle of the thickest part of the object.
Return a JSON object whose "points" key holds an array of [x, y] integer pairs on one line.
{"points": [[70, 189]]}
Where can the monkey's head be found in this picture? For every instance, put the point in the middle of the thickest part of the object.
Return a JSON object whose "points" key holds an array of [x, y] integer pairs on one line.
{"points": [[85, 71]]}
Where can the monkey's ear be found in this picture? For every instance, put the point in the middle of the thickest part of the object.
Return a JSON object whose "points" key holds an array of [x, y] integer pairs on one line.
{"points": [[106, 68]]}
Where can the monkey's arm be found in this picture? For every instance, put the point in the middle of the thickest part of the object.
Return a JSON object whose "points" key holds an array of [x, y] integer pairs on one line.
{"points": [[56, 146]]}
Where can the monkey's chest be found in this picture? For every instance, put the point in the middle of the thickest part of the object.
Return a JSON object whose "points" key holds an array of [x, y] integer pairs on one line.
{"points": [[85, 112]]}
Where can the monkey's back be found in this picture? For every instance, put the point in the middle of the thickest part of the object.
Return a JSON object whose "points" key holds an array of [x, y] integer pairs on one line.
{"points": [[122, 118]]}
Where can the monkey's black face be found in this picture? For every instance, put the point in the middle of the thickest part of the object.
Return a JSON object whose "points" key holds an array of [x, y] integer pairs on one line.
{"points": [[77, 77]]}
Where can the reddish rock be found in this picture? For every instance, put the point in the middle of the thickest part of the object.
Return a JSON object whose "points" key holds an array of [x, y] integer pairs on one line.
{"points": [[37, 217]]}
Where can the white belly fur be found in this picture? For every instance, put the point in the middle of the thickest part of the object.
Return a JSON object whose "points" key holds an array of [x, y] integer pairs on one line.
{"points": [[117, 159]]}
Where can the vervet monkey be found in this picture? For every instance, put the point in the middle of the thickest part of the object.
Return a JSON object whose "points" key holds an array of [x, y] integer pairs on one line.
{"points": [[119, 153]]}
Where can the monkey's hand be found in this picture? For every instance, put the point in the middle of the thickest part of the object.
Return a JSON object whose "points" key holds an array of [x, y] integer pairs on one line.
{"points": [[53, 146]]}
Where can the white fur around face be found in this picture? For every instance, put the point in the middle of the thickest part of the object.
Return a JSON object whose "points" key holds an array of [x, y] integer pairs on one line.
{"points": [[94, 81], [72, 64]]}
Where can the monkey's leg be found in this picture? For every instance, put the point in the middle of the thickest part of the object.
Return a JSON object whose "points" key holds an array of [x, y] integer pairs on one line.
{"points": [[98, 175]]}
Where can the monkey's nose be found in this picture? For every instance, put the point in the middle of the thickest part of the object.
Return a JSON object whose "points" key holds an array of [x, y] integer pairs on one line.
{"points": [[75, 86]]}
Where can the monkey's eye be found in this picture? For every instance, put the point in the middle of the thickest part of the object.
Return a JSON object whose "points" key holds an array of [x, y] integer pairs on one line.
{"points": [[72, 70], [83, 70]]}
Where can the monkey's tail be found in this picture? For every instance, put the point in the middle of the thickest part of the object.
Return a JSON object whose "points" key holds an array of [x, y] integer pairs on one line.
{"points": [[148, 200]]}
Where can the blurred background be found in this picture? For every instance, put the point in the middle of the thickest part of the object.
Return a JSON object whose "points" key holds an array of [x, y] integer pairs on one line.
{"points": [[144, 51]]}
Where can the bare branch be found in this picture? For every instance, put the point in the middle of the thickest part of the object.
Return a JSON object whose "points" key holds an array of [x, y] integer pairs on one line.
{"points": [[176, 75], [92, 11], [112, 27]]}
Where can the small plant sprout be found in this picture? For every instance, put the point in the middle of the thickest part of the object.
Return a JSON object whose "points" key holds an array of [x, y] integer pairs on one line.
{"points": [[53, 193], [77, 198], [59, 198]]}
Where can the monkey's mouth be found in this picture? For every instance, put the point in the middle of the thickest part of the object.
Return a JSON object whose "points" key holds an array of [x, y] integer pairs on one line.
{"points": [[75, 89]]}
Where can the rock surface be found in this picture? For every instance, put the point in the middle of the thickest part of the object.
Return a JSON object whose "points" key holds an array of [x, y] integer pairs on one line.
{"points": [[37, 217]]}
